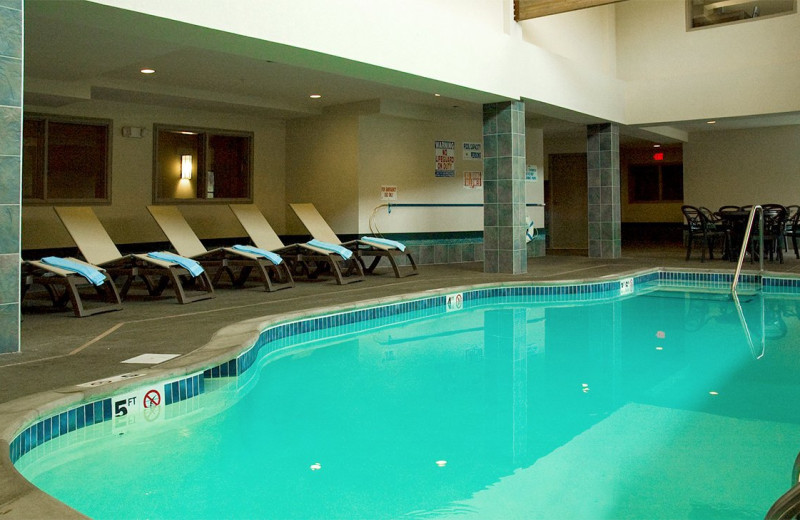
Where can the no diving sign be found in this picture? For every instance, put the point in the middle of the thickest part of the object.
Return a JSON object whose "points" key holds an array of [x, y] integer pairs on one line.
{"points": [[454, 302], [152, 399], [138, 408]]}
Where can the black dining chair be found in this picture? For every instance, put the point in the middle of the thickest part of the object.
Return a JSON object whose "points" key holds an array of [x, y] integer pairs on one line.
{"points": [[790, 228], [774, 224], [699, 228], [719, 224]]}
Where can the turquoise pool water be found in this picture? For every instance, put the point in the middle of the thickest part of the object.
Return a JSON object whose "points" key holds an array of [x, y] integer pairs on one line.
{"points": [[666, 404]]}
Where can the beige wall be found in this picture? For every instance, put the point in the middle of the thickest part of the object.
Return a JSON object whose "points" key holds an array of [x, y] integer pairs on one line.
{"points": [[322, 168], [127, 219], [337, 161], [640, 212], [647, 211], [399, 151], [741, 167], [585, 36], [340, 161], [673, 74]]}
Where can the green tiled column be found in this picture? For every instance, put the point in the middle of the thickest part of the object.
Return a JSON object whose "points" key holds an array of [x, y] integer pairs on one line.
{"points": [[10, 170], [605, 239], [504, 246]]}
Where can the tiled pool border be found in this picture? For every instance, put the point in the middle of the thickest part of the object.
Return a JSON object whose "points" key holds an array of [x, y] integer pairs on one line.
{"points": [[280, 335]]}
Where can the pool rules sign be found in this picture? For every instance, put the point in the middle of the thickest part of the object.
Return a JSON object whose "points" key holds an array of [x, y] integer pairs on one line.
{"points": [[445, 155]]}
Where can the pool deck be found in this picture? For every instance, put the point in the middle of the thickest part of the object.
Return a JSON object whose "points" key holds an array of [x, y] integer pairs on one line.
{"points": [[60, 351]]}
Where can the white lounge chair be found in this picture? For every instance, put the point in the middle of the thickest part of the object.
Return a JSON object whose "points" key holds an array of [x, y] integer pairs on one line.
{"points": [[63, 281], [223, 259], [98, 249], [344, 267], [365, 247]]}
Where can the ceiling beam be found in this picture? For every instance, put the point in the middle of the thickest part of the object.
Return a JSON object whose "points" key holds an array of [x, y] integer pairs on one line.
{"points": [[527, 9]]}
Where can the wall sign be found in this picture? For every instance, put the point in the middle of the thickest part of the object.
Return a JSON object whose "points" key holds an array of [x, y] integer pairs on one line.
{"points": [[473, 180], [388, 192], [532, 173], [444, 152], [473, 151]]}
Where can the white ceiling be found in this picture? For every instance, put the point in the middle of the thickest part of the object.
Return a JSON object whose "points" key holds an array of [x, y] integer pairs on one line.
{"points": [[78, 50]]}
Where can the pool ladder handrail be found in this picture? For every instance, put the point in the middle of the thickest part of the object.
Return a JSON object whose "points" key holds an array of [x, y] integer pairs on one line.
{"points": [[743, 322], [743, 249], [787, 507]]}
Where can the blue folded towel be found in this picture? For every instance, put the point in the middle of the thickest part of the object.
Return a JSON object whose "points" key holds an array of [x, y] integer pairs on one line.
{"points": [[269, 255], [341, 251], [187, 263], [90, 273], [385, 242]]}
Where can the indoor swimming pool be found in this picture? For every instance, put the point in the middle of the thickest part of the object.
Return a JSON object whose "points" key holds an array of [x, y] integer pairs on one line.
{"points": [[635, 398]]}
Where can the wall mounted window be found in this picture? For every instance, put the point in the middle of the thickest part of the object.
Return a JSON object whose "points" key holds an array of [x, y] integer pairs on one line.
{"points": [[655, 183], [65, 159], [704, 13], [202, 165]]}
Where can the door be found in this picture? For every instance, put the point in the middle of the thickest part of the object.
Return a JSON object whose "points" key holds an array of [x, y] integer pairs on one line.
{"points": [[569, 213]]}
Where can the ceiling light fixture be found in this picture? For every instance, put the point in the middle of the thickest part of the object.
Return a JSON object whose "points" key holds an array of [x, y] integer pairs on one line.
{"points": [[656, 146], [438, 95], [711, 122], [147, 71], [315, 96]]}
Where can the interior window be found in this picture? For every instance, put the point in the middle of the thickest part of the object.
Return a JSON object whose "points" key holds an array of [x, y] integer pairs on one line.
{"points": [[655, 183], [196, 164], [704, 13], [65, 159]]}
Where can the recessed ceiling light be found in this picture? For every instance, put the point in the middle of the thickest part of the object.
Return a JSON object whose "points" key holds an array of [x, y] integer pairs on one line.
{"points": [[148, 71], [711, 122], [656, 146], [315, 96], [438, 95]]}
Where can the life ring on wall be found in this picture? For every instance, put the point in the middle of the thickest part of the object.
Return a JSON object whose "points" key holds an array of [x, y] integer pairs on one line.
{"points": [[530, 231]]}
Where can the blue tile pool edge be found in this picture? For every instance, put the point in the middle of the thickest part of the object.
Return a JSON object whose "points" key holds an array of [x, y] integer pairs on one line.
{"points": [[279, 334]]}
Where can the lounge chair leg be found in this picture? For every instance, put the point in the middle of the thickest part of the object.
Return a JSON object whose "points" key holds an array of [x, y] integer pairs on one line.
{"points": [[353, 266], [283, 277], [177, 285], [71, 284], [372, 265], [282, 274], [157, 289], [59, 299], [227, 270], [390, 257], [126, 286], [263, 269], [107, 292]]}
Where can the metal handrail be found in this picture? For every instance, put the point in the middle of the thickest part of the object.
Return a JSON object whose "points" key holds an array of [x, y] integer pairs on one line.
{"points": [[749, 337], [743, 250], [787, 506]]}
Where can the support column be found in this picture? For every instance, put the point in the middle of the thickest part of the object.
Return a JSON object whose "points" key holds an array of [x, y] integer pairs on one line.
{"points": [[10, 171], [605, 232], [504, 188]]}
